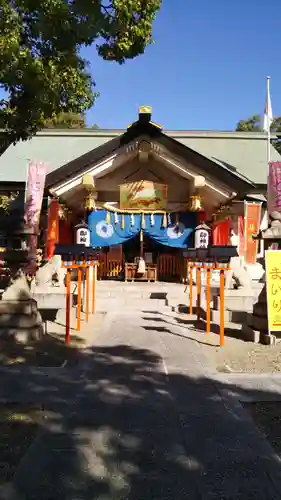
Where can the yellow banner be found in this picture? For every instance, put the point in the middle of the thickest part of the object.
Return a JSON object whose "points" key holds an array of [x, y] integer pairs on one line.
{"points": [[273, 280]]}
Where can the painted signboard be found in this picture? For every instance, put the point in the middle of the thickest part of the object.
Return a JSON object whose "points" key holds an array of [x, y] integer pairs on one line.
{"points": [[251, 226], [273, 288], [143, 195]]}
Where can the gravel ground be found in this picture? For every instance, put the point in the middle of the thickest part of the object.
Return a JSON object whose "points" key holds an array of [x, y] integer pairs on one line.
{"points": [[238, 355], [267, 417], [19, 426], [51, 351]]}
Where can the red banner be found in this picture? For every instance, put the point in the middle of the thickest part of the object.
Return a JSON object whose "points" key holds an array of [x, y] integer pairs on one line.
{"points": [[241, 235], [252, 225], [53, 228], [274, 187], [221, 232]]}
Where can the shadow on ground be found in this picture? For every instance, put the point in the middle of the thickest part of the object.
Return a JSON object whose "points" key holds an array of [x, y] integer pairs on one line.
{"points": [[51, 351], [189, 323], [120, 428]]}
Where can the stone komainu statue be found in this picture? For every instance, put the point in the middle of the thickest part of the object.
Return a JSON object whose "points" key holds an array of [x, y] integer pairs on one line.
{"points": [[51, 273], [239, 274]]}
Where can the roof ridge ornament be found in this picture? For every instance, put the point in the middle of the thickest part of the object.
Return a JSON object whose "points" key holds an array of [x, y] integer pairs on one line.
{"points": [[145, 113], [145, 110]]}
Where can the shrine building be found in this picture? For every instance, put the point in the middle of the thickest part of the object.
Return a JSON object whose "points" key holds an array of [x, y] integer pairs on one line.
{"points": [[142, 191]]}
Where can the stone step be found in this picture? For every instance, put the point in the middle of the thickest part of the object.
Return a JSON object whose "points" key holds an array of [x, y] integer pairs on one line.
{"points": [[253, 335], [120, 304], [22, 335], [50, 300], [132, 294], [20, 320], [235, 303], [229, 316], [17, 307]]}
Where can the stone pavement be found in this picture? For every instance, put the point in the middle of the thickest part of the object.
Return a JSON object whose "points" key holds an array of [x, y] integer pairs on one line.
{"points": [[142, 418]]}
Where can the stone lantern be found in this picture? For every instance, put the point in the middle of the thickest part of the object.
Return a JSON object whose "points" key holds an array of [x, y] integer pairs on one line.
{"points": [[257, 322]]}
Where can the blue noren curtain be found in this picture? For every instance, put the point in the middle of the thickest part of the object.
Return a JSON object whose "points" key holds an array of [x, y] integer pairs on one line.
{"points": [[177, 234]]}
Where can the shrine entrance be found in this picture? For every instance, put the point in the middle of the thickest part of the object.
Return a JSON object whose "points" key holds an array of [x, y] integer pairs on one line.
{"points": [[162, 263]]}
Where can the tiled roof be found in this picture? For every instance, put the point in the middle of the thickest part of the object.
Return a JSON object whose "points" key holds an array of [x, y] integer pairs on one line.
{"points": [[243, 152]]}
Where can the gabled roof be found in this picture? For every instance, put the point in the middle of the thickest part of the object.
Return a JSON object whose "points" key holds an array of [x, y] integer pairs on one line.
{"points": [[244, 152], [210, 167]]}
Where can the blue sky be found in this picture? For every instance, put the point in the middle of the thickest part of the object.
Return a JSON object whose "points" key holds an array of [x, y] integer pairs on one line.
{"points": [[206, 71]]}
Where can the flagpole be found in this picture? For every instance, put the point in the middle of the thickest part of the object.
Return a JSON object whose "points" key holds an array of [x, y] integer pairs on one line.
{"points": [[268, 121]]}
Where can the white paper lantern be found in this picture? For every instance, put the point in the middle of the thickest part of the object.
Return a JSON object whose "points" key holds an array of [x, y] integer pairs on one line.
{"points": [[82, 235], [202, 236]]}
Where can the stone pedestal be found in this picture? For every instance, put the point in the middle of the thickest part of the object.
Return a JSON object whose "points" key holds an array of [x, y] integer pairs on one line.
{"points": [[237, 304], [256, 327], [20, 319]]}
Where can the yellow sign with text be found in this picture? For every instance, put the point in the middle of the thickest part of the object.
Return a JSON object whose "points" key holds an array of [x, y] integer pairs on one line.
{"points": [[273, 288]]}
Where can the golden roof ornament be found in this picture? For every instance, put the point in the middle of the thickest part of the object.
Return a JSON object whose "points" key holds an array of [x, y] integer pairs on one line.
{"points": [[88, 181], [196, 203], [90, 201], [145, 110]]}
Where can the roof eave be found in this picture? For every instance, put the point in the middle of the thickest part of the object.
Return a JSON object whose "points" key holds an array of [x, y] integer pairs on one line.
{"points": [[133, 132]]}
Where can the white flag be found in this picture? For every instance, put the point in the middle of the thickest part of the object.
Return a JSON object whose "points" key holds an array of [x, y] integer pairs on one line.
{"points": [[268, 117]]}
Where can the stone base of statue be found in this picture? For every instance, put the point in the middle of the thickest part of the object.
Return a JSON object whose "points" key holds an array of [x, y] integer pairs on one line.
{"points": [[237, 304], [256, 327], [20, 319]]}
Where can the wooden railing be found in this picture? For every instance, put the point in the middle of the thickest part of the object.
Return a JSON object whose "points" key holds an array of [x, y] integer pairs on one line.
{"points": [[109, 268], [169, 267]]}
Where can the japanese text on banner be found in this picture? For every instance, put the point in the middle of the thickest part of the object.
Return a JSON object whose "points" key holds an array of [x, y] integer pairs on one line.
{"points": [[274, 187], [252, 224], [34, 192], [273, 279]]}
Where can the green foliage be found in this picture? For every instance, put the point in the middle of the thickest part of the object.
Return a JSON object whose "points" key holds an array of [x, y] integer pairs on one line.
{"points": [[41, 71], [254, 124], [66, 120]]}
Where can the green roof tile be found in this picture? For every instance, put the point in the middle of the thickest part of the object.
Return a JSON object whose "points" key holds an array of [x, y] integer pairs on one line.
{"points": [[247, 152], [54, 149], [244, 152]]}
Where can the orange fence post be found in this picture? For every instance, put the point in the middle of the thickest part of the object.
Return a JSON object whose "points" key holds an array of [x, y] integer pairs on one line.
{"points": [[87, 293], [79, 286], [94, 288], [67, 308], [198, 283], [221, 307], [208, 300], [190, 289]]}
